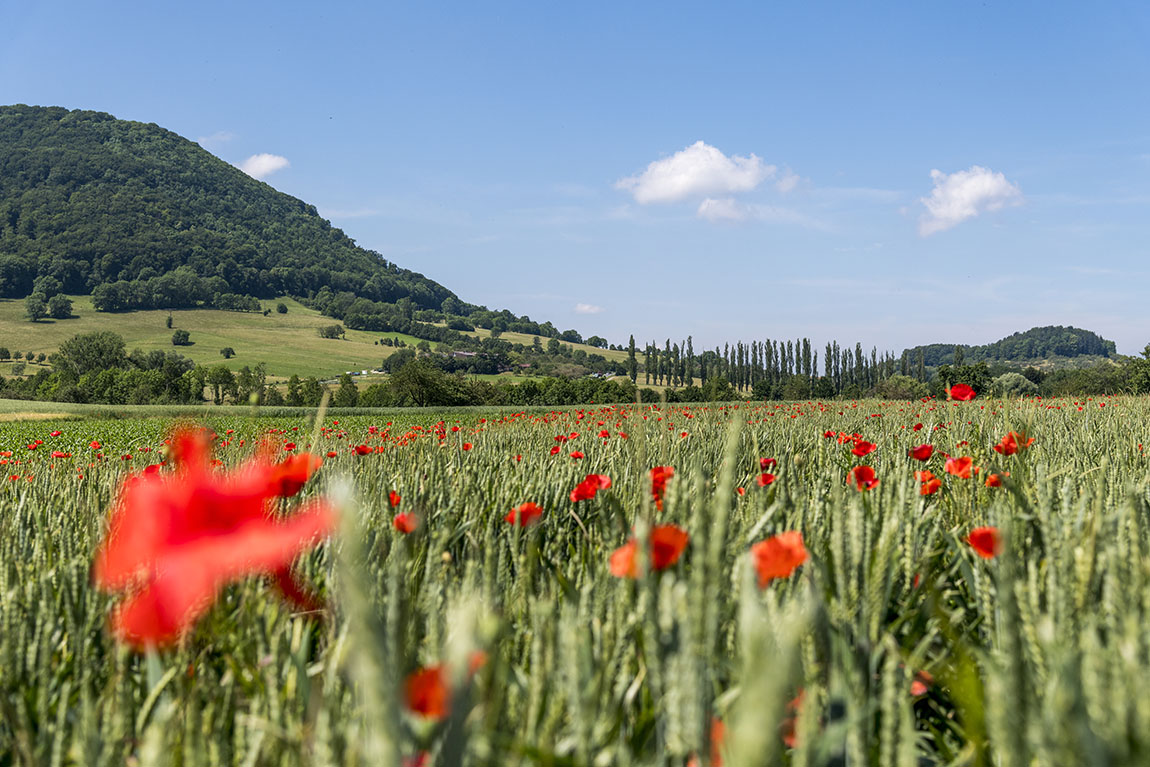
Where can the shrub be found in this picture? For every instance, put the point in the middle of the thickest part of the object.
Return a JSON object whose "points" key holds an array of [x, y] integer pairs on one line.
{"points": [[1013, 385]]}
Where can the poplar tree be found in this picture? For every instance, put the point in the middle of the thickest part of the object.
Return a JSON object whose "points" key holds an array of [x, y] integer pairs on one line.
{"points": [[632, 363]]}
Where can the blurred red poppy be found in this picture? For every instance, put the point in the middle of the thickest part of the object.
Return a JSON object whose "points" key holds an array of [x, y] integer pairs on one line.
{"points": [[790, 736], [922, 452], [765, 479], [778, 556], [930, 483], [960, 467], [985, 541], [921, 683], [718, 735], [427, 691], [175, 539], [960, 392], [862, 447], [659, 477], [524, 515], [862, 478], [285, 479], [405, 522], [767, 463], [1012, 443], [667, 544], [995, 480], [592, 484], [393, 498]]}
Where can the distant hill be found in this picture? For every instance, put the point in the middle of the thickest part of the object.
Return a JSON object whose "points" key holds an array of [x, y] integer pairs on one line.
{"points": [[90, 200], [1036, 344]]}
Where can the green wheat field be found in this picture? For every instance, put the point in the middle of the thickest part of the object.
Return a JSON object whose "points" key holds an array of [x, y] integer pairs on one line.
{"points": [[896, 642]]}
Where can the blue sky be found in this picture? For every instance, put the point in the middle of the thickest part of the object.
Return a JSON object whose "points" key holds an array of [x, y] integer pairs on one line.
{"points": [[903, 174]]}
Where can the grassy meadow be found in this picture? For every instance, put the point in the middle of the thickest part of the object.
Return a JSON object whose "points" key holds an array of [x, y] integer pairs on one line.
{"points": [[287, 343], [894, 642]]}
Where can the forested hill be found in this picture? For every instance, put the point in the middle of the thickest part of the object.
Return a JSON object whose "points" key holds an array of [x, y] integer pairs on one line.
{"points": [[89, 201], [1033, 344]]}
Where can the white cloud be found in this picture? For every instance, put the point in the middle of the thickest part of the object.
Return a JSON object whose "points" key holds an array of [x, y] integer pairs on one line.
{"points": [[728, 209], [964, 194], [219, 137], [788, 182], [587, 309], [700, 170], [263, 165], [725, 209], [334, 213]]}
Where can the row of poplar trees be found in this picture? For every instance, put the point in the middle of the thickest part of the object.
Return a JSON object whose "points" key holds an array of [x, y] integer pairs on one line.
{"points": [[772, 364]]}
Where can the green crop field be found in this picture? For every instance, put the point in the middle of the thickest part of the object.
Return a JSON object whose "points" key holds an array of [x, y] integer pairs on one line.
{"points": [[999, 620]]}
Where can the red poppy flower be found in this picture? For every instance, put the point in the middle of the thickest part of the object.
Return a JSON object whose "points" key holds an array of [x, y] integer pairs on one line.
{"points": [[765, 479], [960, 467], [289, 446], [577, 454], [405, 523], [930, 483], [778, 556], [767, 463], [555, 450], [718, 736], [466, 445], [592, 484], [862, 447], [94, 445], [921, 683], [659, 477], [995, 480], [393, 498], [922, 452], [960, 392], [790, 737], [175, 539], [524, 515], [362, 450], [56, 434], [985, 541], [427, 691], [862, 478], [1012, 443], [828, 434], [667, 544]]}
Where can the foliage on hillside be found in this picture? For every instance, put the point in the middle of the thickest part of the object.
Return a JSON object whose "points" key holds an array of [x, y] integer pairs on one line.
{"points": [[91, 200], [1033, 344]]}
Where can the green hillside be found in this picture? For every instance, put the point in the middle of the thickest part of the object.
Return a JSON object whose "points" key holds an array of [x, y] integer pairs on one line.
{"points": [[91, 200], [1048, 346], [141, 218]]}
